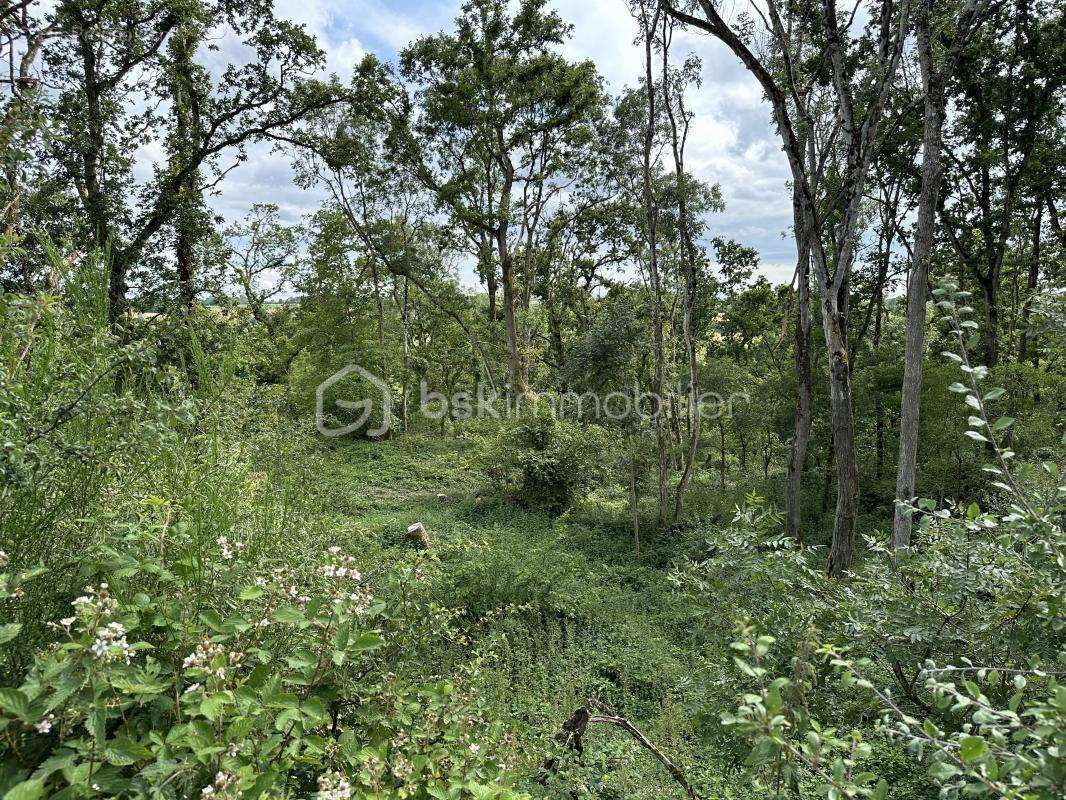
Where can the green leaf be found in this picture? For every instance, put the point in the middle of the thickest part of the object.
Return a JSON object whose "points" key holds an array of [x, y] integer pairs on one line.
{"points": [[9, 632], [972, 747], [14, 701], [27, 790], [212, 620], [366, 641], [212, 705], [291, 615], [995, 394], [262, 783], [251, 593], [1002, 423]]}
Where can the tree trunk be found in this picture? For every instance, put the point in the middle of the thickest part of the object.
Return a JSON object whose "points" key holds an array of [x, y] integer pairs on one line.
{"points": [[662, 440], [634, 507], [689, 453], [990, 292], [1030, 289], [514, 361], [879, 405], [917, 286], [186, 135], [802, 360], [406, 319], [843, 425]]}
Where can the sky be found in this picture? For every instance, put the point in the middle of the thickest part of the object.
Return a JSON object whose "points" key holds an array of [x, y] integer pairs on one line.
{"points": [[731, 142]]}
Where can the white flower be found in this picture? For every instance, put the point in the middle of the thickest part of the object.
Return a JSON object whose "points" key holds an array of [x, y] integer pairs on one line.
{"points": [[95, 603], [110, 644], [223, 782], [45, 725], [333, 785]]}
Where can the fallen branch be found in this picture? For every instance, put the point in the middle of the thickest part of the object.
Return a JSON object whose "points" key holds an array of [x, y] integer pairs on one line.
{"points": [[572, 738]]}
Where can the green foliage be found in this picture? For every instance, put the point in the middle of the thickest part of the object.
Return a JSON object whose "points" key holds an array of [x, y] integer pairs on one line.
{"points": [[183, 669], [545, 462], [967, 625], [223, 640]]}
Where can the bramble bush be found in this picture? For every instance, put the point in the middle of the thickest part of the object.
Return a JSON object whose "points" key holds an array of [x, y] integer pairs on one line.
{"points": [[200, 630], [178, 673]]}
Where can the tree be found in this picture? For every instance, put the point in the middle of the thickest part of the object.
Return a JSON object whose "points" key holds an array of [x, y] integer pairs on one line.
{"points": [[860, 70], [350, 148], [261, 254], [1008, 102], [106, 57], [935, 78], [493, 100]]}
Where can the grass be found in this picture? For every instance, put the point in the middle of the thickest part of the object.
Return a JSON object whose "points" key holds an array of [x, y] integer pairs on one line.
{"points": [[558, 609]]}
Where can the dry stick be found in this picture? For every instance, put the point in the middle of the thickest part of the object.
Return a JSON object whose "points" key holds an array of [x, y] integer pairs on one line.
{"points": [[574, 730], [628, 727]]}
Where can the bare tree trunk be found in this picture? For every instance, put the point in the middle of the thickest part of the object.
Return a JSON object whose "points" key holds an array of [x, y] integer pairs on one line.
{"points": [[917, 290], [721, 453], [634, 507], [406, 317], [503, 253], [879, 405], [678, 137], [1033, 279], [843, 423], [662, 440], [802, 359], [935, 82]]}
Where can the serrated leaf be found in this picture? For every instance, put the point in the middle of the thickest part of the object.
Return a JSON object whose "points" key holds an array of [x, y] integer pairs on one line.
{"points": [[9, 632], [14, 701], [366, 641]]}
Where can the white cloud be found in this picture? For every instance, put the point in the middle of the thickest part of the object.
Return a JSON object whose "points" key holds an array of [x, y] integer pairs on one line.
{"points": [[732, 142]]}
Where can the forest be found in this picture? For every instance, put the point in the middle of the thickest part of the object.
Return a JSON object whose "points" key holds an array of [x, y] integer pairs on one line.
{"points": [[397, 403]]}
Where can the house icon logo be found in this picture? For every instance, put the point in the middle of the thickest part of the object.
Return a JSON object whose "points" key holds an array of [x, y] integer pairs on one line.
{"points": [[365, 406]]}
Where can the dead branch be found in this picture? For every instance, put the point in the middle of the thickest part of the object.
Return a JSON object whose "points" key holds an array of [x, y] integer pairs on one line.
{"points": [[572, 738]]}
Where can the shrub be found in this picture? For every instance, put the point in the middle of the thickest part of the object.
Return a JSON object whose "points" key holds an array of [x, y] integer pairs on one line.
{"points": [[546, 463], [180, 673]]}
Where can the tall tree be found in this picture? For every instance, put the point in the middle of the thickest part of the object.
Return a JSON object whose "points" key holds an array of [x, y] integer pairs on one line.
{"points": [[490, 98], [936, 71], [108, 57], [1008, 104], [860, 69]]}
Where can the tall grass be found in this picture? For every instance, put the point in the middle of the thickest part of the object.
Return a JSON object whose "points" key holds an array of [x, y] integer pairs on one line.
{"points": [[102, 426]]}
